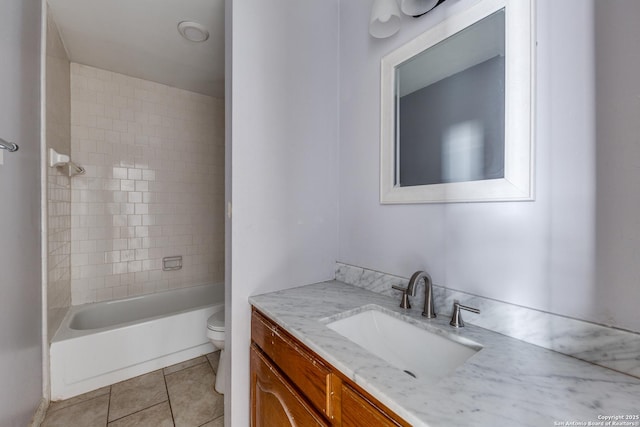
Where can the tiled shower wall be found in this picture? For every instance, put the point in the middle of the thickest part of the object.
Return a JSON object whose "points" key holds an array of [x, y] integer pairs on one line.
{"points": [[154, 186], [58, 136]]}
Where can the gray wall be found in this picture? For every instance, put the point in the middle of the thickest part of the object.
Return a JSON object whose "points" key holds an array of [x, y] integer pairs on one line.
{"points": [[539, 254], [617, 160], [20, 280], [284, 119]]}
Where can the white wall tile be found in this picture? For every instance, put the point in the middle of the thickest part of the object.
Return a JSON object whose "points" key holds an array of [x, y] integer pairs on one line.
{"points": [[149, 191]]}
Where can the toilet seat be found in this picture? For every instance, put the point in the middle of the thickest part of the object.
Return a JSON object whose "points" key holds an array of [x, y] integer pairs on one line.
{"points": [[215, 322]]}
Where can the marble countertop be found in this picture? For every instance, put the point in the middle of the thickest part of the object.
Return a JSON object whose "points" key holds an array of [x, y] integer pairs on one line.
{"points": [[508, 382]]}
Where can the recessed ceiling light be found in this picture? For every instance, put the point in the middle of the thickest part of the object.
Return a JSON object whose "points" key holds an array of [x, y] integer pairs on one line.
{"points": [[193, 31]]}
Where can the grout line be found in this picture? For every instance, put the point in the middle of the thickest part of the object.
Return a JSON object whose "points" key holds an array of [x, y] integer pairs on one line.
{"points": [[108, 406], [53, 409], [109, 403], [211, 420], [215, 370], [166, 387], [141, 410], [180, 370]]}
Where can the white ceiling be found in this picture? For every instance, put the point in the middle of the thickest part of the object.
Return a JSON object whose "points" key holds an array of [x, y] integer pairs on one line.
{"points": [[140, 38]]}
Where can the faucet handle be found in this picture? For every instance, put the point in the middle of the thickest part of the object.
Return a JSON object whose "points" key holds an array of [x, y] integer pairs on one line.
{"points": [[456, 318], [404, 303]]}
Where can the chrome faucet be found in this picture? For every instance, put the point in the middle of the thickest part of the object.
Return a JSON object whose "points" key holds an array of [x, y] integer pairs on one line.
{"points": [[429, 310]]}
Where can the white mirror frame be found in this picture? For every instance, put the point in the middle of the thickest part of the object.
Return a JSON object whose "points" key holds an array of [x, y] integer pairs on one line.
{"points": [[518, 181]]}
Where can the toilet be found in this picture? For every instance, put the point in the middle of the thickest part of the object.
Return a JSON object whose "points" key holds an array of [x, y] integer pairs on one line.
{"points": [[215, 333]]}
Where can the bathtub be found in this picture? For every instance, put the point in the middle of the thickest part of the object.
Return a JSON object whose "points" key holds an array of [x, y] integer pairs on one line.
{"points": [[103, 343]]}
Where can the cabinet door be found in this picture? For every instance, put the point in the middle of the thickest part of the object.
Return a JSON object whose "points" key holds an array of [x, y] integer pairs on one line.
{"points": [[274, 402], [357, 411], [301, 366]]}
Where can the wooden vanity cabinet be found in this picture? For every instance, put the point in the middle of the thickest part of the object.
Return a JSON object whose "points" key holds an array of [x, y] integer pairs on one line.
{"points": [[357, 410], [293, 386], [274, 402]]}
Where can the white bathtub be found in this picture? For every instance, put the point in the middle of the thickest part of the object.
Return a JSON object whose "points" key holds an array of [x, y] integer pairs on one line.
{"points": [[103, 343]]}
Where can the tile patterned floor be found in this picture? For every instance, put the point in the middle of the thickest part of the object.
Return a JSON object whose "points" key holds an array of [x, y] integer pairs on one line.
{"points": [[181, 395]]}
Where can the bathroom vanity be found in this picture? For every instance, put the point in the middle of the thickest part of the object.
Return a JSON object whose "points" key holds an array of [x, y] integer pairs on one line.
{"points": [[302, 368], [289, 381]]}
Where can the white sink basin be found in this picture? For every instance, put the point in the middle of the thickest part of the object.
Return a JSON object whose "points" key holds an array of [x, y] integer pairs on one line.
{"points": [[419, 353]]}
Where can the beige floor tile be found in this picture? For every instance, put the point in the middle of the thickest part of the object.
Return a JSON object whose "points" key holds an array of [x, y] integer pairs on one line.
{"points": [[193, 399], [90, 413], [213, 359], [156, 416], [186, 364], [136, 394], [54, 406], [218, 422]]}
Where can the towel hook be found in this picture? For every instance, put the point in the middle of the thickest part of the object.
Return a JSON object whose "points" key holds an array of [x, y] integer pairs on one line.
{"points": [[9, 146]]}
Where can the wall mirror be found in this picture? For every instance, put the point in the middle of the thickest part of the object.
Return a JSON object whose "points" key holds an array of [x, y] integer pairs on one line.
{"points": [[456, 109]]}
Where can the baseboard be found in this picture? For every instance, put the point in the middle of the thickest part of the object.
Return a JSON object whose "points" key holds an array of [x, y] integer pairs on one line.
{"points": [[40, 413]]}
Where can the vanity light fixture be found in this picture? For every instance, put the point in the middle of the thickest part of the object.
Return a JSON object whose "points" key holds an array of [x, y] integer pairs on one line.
{"points": [[193, 31], [385, 14], [417, 8], [385, 19]]}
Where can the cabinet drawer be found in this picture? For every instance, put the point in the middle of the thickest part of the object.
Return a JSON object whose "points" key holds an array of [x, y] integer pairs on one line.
{"points": [[358, 411], [302, 368]]}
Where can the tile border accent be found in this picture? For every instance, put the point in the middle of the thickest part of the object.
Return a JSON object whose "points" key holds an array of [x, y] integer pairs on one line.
{"points": [[598, 344]]}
